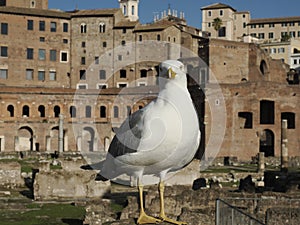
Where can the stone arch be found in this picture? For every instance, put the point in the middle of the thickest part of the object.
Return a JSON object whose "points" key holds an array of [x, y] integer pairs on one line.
{"points": [[56, 111], [54, 135], [41, 110], [263, 67], [25, 139], [266, 142], [25, 111], [88, 139], [11, 110]]}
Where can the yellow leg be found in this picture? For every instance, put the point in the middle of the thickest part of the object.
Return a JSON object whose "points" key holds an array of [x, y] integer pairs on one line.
{"points": [[144, 218], [162, 215]]}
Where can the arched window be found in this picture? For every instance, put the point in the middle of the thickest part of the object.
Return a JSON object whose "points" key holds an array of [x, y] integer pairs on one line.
{"points": [[56, 111], [11, 110], [132, 10], [88, 111], [102, 27], [116, 111], [41, 110], [125, 10], [83, 28], [102, 111], [72, 111], [25, 111]]}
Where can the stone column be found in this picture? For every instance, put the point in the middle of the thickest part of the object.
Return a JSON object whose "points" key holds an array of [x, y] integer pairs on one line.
{"points": [[284, 148], [61, 133], [261, 162]]}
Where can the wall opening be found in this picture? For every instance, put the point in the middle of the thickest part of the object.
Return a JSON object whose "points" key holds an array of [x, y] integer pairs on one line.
{"points": [[11, 110], [290, 117], [88, 111], [56, 111], [102, 111], [72, 111], [266, 142], [263, 67], [41, 110], [267, 112], [25, 135], [246, 120], [88, 136], [25, 111]]}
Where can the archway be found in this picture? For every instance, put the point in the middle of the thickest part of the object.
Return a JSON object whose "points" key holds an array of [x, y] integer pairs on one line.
{"points": [[266, 142], [88, 136], [25, 136]]}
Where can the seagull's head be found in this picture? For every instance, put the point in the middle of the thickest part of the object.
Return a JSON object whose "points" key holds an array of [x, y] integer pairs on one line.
{"points": [[172, 69]]}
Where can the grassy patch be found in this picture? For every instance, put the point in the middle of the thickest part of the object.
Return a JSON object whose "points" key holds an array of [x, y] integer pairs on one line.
{"points": [[37, 214]]}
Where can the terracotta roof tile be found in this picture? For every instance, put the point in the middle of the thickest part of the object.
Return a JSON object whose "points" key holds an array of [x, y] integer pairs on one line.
{"points": [[276, 20]]}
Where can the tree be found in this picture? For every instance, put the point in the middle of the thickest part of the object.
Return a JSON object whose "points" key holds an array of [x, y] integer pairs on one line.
{"points": [[217, 24]]}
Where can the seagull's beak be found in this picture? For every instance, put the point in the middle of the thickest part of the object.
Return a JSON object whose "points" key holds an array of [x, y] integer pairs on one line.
{"points": [[171, 73]]}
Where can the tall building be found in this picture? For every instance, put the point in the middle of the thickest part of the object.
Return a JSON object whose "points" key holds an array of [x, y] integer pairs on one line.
{"points": [[130, 9]]}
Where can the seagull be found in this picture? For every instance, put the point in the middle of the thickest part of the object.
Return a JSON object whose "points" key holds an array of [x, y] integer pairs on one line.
{"points": [[160, 138]]}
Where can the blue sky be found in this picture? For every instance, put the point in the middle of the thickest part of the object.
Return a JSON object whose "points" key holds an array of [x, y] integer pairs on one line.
{"points": [[191, 8]]}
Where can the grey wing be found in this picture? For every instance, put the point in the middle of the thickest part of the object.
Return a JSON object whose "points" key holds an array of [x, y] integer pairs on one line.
{"points": [[128, 136]]}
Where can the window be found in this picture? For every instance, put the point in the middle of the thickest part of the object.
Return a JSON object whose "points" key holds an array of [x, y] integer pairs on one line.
{"points": [[3, 74], [158, 37], [29, 74], [284, 24], [83, 28], [281, 50], [120, 57], [65, 27], [271, 25], [295, 61], [222, 32], [42, 39], [42, 54], [142, 84], [140, 37], [267, 113], [116, 111], [82, 60], [292, 34], [122, 85], [41, 75], [123, 73], [253, 26], [29, 24], [11, 110], [102, 86], [221, 12], [125, 10], [143, 73], [102, 74], [104, 44], [132, 10], [209, 24], [42, 26], [271, 35], [102, 111], [102, 27], [124, 31], [82, 75], [290, 117], [88, 111], [244, 25], [72, 111], [41, 110], [246, 119], [261, 36], [65, 41], [292, 24], [96, 60], [2, 2], [123, 43], [53, 26], [53, 55], [261, 25], [209, 13], [52, 75], [3, 51], [83, 44], [82, 86], [273, 50], [29, 53], [25, 111], [56, 111], [4, 28], [64, 57], [32, 5]]}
